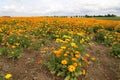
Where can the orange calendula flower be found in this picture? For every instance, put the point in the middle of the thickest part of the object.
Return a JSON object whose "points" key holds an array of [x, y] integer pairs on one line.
{"points": [[87, 55], [67, 52], [77, 52], [74, 59], [83, 72], [77, 56], [71, 68], [39, 61], [58, 52], [64, 62], [7, 44]]}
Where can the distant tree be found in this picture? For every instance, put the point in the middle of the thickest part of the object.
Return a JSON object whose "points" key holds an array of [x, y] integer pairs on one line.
{"points": [[86, 15], [6, 16], [113, 15]]}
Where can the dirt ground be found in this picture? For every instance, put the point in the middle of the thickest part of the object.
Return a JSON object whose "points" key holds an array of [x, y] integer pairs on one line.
{"points": [[27, 67]]}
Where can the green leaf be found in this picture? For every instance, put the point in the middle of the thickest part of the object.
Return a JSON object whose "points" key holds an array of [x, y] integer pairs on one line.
{"points": [[52, 72], [77, 74], [74, 78], [67, 77], [60, 74], [80, 73], [1, 78]]}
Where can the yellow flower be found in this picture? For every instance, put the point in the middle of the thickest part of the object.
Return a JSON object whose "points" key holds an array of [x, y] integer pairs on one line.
{"points": [[67, 40], [71, 68], [65, 54], [93, 58], [82, 40], [63, 47], [80, 34], [59, 40], [64, 62], [65, 36], [13, 46], [75, 64], [80, 64], [0, 30], [43, 52], [74, 45], [8, 76], [12, 52], [17, 44]]}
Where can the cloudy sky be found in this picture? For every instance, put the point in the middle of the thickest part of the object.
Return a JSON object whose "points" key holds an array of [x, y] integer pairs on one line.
{"points": [[58, 7]]}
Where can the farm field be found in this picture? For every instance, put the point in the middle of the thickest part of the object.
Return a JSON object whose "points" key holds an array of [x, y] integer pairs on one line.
{"points": [[108, 18], [52, 48]]}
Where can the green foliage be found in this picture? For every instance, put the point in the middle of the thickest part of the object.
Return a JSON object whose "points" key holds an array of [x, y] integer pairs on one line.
{"points": [[1, 78], [99, 37], [90, 30], [3, 50], [10, 52], [0, 38], [108, 18], [44, 42], [109, 28], [116, 50], [96, 28], [23, 40], [14, 53], [36, 45], [118, 30], [12, 39]]}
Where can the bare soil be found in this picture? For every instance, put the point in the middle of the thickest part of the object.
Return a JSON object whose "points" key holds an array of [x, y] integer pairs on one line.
{"points": [[27, 67]]}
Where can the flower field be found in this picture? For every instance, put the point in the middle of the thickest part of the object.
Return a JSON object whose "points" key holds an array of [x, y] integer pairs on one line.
{"points": [[62, 45]]}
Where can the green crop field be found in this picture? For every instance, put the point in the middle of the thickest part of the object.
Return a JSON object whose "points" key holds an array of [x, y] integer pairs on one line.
{"points": [[108, 18]]}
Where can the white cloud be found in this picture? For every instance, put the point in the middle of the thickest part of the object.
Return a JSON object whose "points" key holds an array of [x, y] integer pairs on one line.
{"points": [[59, 7], [12, 8]]}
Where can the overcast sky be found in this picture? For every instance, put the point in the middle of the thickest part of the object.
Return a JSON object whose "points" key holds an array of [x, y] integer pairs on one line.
{"points": [[58, 7]]}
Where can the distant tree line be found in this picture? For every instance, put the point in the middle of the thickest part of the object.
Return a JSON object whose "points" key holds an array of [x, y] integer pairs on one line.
{"points": [[89, 16], [77, 16], [108, 15]]}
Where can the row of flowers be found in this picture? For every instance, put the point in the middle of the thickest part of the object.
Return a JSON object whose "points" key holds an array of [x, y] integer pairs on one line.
{"points": [[69, 59]]}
